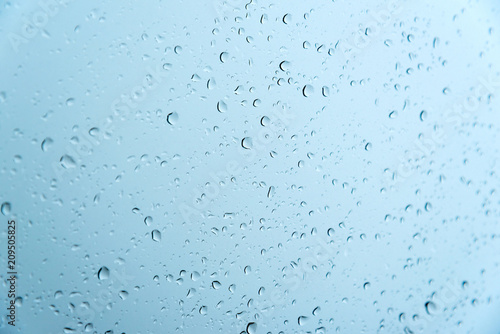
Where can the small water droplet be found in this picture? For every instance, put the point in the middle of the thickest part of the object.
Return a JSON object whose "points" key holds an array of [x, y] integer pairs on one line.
{"points": [[94, 132], [251, 328], [103, 273], [123, 294], [302, 320], [67, 161], [211, 83], [265, 121], [46, 144], [216, 285], [178, 49], [368, 146], [203, 310], [221, 106], [172, 118], [308, 90], [430, 308], [148, 220], [156, 235], [270, 192], [284, 65], [5, 208], [224, 57], [287, 18], [325, 91], [247, 143], [423, 115], [70, 102]]}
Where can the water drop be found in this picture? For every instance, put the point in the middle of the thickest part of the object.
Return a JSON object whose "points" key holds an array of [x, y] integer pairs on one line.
{"points": [[5, 208], [103, 273], [247, 143], [251, 328], [224, 57], [287, 18], [430, 308], [148, 220], [423, 115], [285, 65], [94, 132], [221, 106], [325, 91], [46, 144], [302, 320], [270, 192], [67, 161], [178, 49], [123, 294], [156, 235], [172, 118], [308, 90], [211, 83]]}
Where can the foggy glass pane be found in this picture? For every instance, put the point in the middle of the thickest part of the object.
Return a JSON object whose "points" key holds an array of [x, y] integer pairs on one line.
{"points": [[258, 167]]}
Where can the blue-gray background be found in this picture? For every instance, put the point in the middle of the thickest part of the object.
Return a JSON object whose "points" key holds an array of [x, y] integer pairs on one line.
{"points": [[230, 166]]}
